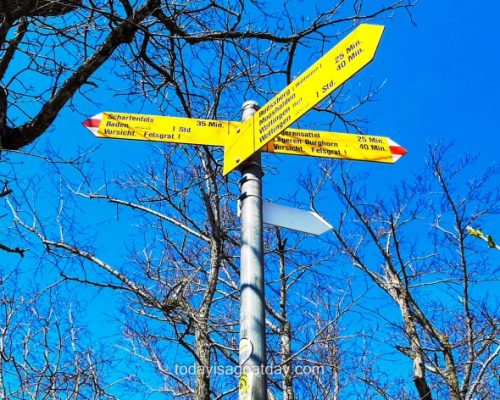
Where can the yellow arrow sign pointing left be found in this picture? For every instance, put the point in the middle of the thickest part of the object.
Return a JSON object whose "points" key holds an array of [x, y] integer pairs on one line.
{"points": [[160, 129]]}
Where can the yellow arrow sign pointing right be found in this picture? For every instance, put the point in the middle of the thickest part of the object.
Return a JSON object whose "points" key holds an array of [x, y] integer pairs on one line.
{"points": [[348, 57], [336, 145]]}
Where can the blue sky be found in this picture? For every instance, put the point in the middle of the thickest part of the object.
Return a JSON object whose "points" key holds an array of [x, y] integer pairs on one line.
{"points": [[442, 81], [442, 78], [442, 84]]}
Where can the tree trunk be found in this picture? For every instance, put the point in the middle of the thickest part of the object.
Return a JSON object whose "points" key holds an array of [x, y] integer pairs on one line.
{"points": [[36, 8], [286, 329], [3, 115], [202, 391], [286, 346], [398, 292]]}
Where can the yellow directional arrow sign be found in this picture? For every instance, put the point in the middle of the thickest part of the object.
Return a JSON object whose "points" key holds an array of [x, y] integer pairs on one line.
{"points": [[160, 129], [338, 65], [336, 145], [217, 133]]}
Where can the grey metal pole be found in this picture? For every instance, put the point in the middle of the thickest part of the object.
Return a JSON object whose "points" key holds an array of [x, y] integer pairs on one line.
{"points": [[253, 382]]}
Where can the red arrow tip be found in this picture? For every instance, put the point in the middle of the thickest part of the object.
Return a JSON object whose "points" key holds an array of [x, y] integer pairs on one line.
{"points": [[396, 150], [91, 123], [399, 150]]}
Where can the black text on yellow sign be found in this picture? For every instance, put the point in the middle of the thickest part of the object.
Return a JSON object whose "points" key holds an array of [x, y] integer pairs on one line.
{"points": [[335, 145], [217, 133], [160, 128], [332, 70]]}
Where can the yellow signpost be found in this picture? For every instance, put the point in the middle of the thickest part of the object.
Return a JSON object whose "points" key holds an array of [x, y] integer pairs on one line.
{"points": [[348, 57], [268, 130], [160, 129], [217, 133], [336, 145]]}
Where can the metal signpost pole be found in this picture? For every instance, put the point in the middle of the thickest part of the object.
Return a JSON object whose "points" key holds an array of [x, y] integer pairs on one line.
{"points": [[253, 384]]}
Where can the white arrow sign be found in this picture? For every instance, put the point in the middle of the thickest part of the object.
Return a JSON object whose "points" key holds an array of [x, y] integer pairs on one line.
{"points": [[293, 218]]}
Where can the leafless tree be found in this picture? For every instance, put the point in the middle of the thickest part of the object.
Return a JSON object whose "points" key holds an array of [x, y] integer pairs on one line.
{"points": [[61, 47], [57, 54], [193, 59], [181, 285], [416, 249], [15, 9], [176, 291], [43, 353]]}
